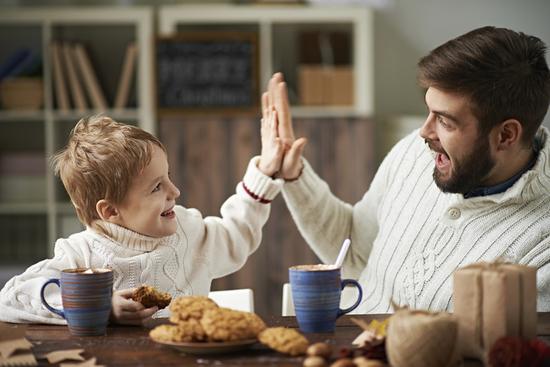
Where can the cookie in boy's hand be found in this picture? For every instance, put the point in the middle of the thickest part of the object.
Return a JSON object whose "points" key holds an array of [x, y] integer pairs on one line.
{"points": [[149, 297]]}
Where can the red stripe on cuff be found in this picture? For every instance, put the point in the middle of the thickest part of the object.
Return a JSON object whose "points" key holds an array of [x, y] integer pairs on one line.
{"points": [[254, 196]]}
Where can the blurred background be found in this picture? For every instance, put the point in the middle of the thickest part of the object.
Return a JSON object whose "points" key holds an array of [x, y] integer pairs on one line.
{"points": [[191, 72]]}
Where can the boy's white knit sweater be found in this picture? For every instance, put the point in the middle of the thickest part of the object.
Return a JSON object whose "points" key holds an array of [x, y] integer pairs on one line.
{"points": [[185, 263], [408, 237]]}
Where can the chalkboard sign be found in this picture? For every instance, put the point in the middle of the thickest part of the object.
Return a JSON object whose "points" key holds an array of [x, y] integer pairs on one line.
{"points": [[205, 71]]}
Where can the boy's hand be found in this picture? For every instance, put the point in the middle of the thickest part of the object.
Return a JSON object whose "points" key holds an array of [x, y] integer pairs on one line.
{"points": [[272, 146], [127, 311], [277, 97]]}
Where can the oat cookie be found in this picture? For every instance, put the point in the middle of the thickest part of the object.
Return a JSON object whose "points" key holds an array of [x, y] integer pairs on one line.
{"points": [[185, 331], [224, 324], [284, 340], [149, 297], [190, 307]]}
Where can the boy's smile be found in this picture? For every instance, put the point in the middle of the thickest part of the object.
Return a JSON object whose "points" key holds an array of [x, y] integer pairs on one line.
{"points": [[148, 207]]}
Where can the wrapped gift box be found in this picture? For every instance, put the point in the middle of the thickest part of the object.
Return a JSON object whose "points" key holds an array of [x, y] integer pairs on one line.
{"points": [[492, 300]]}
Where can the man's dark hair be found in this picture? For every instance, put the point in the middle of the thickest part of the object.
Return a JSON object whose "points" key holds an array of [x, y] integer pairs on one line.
{"points": [[503, 73]]}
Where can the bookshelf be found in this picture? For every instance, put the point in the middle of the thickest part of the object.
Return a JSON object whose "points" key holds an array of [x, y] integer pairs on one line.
{"points": [[284, 27], [34, 208]]}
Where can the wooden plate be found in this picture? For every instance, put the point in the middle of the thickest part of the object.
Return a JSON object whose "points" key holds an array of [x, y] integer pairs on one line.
{"points": [[209, 347]]}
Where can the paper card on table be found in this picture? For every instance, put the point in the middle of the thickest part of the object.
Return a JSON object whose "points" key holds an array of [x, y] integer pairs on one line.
{"points": [[63, 355], [367, 336], [8, 347], [12, 338], [26, 359], [89, 363]]}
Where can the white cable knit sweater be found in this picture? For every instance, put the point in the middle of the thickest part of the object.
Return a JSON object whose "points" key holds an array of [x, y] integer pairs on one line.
{"points": [[408, 237], [185, 263]]}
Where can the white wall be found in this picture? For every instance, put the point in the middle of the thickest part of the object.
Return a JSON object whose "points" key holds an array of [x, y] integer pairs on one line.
{"points": [[406, 30]]}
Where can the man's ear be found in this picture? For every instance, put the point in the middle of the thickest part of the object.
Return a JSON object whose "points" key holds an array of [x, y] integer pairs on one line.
{"points": [[509, 134], [106, 210]]}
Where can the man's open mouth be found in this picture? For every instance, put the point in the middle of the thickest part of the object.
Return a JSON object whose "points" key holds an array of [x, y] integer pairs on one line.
{"points": [[442, 159]]}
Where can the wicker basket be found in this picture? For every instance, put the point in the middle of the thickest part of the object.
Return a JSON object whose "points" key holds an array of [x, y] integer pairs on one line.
{"points": [[22, 94]]}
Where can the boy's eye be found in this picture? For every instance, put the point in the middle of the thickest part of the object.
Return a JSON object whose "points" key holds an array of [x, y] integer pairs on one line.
{"points": [[157, 188]]}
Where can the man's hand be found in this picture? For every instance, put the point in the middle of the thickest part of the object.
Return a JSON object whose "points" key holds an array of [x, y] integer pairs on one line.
{"points": [[277, 97], [127, 311], [272, 146]]}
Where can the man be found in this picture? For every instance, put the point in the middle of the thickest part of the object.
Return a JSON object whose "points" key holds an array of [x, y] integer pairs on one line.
{"points": [[472, 185]]}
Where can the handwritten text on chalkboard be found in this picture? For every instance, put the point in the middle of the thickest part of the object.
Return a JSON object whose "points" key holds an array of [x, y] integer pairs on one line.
{"points": [[206, 73]]}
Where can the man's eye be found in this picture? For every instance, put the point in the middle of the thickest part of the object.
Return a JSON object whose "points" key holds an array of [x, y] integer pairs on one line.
{"points": [[442, 121], [157, 188]]}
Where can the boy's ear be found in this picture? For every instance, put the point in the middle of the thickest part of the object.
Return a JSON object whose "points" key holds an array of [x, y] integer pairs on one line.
{"points": [[106, 211]]}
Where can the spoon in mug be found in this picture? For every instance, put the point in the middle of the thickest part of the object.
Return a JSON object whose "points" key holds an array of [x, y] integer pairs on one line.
{"points": [[342, 254]]}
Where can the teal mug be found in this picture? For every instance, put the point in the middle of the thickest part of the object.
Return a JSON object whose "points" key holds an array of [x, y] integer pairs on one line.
{"points": [[316, 293], [86, 297]]}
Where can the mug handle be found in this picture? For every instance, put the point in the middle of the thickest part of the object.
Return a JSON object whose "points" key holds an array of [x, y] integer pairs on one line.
{"points": [[354, 283], [45, 303]]}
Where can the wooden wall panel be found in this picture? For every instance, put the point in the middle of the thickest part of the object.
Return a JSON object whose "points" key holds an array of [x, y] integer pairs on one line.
{"points": [[208, 157]]}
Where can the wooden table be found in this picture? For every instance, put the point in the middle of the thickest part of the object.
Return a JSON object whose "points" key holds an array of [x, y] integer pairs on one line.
{"points": [[131, 346]]}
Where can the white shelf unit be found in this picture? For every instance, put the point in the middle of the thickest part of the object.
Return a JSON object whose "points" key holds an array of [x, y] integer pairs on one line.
{"points": [[108, 30], [269, 20]]}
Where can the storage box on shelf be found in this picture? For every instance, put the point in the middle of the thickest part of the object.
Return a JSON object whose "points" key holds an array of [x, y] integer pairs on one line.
{"points": [[107, 52], [326, 76]]}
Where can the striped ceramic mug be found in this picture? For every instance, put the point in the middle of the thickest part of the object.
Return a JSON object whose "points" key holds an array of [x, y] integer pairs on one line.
{"points": [[316, 291], [86, 298]]}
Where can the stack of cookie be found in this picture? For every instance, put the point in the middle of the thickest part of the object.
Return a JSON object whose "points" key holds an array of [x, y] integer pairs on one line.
{"points": [[199, 319]]}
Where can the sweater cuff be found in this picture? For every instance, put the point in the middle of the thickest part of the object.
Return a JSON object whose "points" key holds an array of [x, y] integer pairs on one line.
{"points": [[305, 187], [258, 186]]}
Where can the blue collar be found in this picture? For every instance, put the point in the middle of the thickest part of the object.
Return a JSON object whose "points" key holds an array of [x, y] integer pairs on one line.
{"points": [[503, 186]]}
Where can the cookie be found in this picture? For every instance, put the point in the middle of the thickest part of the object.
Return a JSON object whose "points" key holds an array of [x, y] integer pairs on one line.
{"points": [[190, 307], [186, 331], [284, 340], [149, 297], [224, 324]]}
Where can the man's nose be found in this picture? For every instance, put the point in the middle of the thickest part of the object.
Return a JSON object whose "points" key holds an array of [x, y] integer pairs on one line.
{"points": [[427, 131]]}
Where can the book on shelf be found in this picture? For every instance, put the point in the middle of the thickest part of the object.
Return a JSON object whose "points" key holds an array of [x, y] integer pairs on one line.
{"points": [[21, 63], [93, 89], [76, 88], [61, 95], [126, 76]]}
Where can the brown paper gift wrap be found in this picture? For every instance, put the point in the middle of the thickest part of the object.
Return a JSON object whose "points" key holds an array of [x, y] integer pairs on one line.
{"points": [[492, 300]]}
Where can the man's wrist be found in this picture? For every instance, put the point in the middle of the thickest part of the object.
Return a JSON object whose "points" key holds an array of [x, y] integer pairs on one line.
{"points": [[292, 179]]}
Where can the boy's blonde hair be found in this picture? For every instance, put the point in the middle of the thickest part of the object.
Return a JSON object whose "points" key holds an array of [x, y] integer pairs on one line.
{"points": [[100, 161]]}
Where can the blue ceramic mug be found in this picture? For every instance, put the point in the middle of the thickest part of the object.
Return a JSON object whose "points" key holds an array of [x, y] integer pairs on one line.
{"points": [[316, 291], [86, 297]]}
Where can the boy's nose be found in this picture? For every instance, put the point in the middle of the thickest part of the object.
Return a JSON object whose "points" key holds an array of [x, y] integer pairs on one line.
{"points": [[175, 191]]}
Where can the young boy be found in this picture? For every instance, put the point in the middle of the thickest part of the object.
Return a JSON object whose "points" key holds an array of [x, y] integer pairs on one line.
{"points": [[119, 182]]}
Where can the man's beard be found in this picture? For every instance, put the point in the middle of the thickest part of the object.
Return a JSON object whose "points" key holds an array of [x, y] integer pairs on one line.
{"points": [[470, 172]]}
